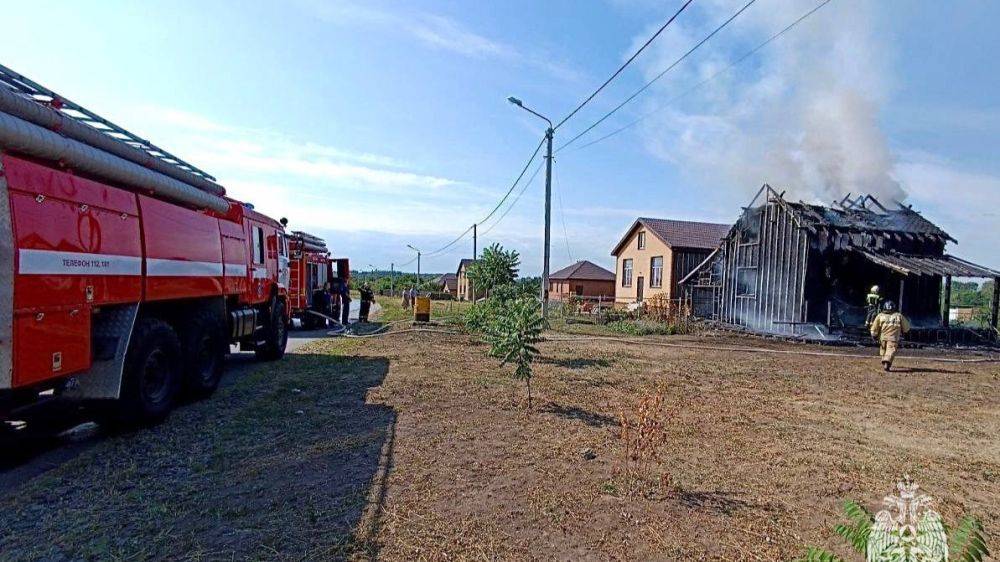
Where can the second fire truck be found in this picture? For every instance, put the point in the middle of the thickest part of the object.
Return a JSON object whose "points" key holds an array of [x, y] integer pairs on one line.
{"points": [[310, 269]]}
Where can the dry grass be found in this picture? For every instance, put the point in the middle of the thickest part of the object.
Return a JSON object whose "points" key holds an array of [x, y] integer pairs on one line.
{"points": [[417, 447]]}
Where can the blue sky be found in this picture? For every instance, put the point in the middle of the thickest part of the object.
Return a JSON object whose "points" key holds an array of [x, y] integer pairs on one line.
{"points": [[380, 124]]}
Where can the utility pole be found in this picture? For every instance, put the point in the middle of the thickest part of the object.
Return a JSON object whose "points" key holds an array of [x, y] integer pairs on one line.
{"points": [[392, 276], [549, 134], [417, 250], [548, 221]]}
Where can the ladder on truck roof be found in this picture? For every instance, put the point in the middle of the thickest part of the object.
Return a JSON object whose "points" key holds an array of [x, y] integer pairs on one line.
{"points": [[42, 95]]}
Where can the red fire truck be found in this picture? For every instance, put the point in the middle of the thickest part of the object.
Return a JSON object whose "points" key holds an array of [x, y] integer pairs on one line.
{"points": [[310, 268], [125, 273]]}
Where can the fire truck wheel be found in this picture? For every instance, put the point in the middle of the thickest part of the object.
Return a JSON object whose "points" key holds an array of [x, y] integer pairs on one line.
{"points": [[204, 344], [276, 336], [152, 375]]}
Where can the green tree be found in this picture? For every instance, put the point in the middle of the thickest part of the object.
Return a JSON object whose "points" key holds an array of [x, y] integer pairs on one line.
{"points": [[496, 268], [530, 285], [513, 332]]}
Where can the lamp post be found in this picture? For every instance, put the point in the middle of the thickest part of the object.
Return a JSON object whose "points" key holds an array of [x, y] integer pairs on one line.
{"points": [[418, 261], [549, 133]]}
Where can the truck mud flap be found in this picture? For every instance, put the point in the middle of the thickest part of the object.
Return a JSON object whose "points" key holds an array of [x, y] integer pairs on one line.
{"points": [[112, 330]]}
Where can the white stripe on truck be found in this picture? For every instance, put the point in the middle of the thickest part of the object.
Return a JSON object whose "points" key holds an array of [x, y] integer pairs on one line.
{"points": [[51, 262], [235, 270], [181, 268]]}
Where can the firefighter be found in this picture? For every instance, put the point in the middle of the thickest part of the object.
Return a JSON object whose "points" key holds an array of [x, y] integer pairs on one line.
{"points": [[367, 296], [322, 303], [872, 302], [345, 302], [889, 327]]}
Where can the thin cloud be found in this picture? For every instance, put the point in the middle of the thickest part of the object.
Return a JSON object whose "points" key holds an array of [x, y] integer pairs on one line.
{"points": [[438, 32], [309, 182]]}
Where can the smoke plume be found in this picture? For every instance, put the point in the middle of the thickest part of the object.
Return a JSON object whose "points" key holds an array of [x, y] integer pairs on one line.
{"points": [[802, 114]]}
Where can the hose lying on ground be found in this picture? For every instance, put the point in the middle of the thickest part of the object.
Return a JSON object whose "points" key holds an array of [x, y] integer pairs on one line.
{"points": [[383, 330], [747, 349]]}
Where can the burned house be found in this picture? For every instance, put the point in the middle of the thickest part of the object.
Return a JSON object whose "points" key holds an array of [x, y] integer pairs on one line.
{"points": [[800, 269]]}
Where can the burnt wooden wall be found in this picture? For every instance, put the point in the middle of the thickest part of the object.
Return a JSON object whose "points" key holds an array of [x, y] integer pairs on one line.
{"points": [[768, 241], [684, 262]]}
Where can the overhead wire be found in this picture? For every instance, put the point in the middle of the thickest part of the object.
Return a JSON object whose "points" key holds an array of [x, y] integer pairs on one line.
{"points": [[516, 199], [520, 176], [660, 75], [624, 65], [562, 216], [722, 71]]}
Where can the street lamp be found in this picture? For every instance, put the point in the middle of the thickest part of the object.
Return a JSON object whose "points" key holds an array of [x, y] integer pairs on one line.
{"points": [[418, 261], [549, 133]]}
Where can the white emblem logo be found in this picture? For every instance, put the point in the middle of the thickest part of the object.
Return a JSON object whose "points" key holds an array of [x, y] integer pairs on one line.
{"points": [[907, 530]]}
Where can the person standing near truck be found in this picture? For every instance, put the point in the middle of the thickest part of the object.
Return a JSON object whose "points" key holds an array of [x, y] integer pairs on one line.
{"points": [[888, 328], [367, 297], [345, 301]]}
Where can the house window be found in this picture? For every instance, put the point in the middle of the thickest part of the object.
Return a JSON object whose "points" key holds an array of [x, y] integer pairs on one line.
{"points": [[656, 271], [746, 282], [642, 240], [627, 273], [258, 245], [579, 290]]}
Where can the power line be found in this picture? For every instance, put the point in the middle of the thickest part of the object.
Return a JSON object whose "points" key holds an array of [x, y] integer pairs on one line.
{"points": [[731, 65], [448, 245], [521, 175], [491, 213], [660, 75], [623, 66], [562, 216], [516, 199]]}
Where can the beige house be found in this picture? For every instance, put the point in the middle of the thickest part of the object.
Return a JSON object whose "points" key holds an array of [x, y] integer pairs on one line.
{"points": [[463, 287], [655, 254]]}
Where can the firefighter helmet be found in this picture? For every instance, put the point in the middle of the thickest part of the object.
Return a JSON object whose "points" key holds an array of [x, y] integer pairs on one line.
{"points": [[874, 289], [889, 306]]}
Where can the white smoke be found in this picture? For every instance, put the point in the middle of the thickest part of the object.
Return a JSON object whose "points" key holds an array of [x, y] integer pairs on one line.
{"points": [[801, 115]]}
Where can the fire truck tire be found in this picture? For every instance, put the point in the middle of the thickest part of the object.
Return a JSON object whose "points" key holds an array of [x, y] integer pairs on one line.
{"points": [[152, 375], [276, 336], [204, 344]]}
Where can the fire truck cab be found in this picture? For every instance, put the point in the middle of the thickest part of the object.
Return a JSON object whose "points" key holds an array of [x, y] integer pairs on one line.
{"points": [[125, 273]]}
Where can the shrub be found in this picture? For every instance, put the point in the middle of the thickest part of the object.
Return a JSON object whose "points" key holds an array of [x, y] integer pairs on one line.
{"points": [[512, 333], [612, 314], [643, 328], [642, 435]]}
